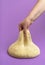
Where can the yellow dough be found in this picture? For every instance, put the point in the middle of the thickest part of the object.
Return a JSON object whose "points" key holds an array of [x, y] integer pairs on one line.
{"points": [[24, 47]]}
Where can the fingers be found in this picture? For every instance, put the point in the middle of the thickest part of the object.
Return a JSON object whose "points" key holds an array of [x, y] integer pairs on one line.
{"points": [[21, 26], [24, 26]]}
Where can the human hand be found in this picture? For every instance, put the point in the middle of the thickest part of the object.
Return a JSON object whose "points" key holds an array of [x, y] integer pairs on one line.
{"points": [[37, 10], [24, 24]]}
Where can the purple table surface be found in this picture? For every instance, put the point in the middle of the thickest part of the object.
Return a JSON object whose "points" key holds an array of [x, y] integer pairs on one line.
{"points": [[12, 12]]}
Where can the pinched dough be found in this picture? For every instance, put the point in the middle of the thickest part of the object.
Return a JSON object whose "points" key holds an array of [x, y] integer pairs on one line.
{"points": [[24, 47]]}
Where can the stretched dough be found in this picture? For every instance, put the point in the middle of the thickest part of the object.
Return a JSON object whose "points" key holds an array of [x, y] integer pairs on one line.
{"points": [[24, 47]]}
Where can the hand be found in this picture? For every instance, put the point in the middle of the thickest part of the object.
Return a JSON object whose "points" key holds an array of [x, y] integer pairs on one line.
{"points": [[24, 24], [38, 9]]}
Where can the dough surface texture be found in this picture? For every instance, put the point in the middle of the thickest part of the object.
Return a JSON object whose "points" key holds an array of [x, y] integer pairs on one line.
{"points": [[24, 47]]}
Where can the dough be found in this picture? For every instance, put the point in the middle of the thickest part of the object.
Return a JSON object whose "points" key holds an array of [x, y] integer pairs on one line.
{"points": [[24, 47]]}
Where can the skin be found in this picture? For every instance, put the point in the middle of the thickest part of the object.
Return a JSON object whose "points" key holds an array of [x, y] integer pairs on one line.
{"points": [[37, 10]]}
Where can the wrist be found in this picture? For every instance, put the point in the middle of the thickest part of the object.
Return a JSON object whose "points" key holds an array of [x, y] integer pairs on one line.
{"points": [[30, 20]]}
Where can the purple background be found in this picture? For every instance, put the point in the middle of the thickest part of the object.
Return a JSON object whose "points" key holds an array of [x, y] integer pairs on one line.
{"points": [[12, 12]]}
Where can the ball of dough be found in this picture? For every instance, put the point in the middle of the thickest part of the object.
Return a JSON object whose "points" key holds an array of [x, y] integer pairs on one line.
{"points": [[24, 47]]}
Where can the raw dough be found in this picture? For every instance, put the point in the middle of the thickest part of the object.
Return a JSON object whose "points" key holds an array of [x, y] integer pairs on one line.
{"points": [[24, 47]]}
